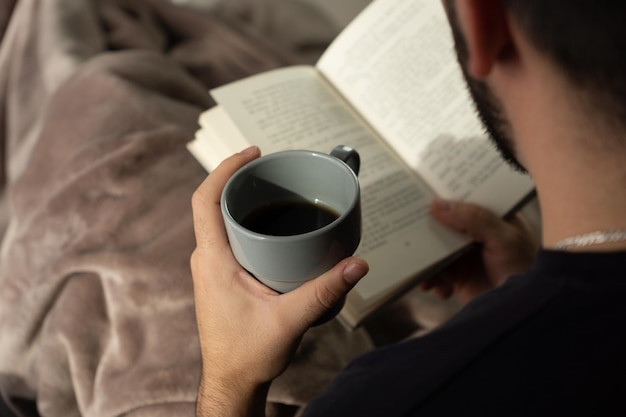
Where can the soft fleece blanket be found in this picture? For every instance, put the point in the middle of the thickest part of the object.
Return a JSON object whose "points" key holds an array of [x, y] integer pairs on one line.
{"points": [[99, 98]]}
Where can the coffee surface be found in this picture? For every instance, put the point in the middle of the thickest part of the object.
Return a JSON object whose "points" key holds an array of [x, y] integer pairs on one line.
{"points": [[288, 218]]}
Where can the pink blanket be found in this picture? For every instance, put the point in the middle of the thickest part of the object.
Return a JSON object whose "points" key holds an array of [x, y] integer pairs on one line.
{"points": [[99, 98]]}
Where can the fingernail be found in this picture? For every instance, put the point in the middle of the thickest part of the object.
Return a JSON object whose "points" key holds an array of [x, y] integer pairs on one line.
{"points": [[252, 150], [441, 205], [354, 271]]}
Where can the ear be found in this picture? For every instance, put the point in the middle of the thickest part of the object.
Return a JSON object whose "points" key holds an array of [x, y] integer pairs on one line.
{"points": [[485, 26]]}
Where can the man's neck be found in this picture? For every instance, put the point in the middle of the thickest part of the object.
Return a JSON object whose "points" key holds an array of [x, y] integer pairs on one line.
{"points": [[581, 185], [576, 159], [575, 203]]}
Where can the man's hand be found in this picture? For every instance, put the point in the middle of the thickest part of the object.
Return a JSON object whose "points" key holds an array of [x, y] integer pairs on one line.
{"points": [[248, 332], [505, 247]]}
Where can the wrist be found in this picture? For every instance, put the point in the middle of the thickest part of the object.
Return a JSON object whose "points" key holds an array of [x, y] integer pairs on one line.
{"points": [[219, 397]]}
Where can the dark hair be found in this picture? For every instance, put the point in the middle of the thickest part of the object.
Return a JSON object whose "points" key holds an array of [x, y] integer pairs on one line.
{"points": [[586, 39]]}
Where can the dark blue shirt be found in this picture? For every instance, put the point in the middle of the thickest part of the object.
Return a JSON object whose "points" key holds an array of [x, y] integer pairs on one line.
{"points": [[551, 341]]}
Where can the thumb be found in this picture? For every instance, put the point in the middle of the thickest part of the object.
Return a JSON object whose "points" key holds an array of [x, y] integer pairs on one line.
{"points": [[479, 223], [322, 295]]}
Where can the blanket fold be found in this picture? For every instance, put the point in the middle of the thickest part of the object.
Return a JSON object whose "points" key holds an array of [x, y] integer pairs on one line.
{"points": [[99, 99]]}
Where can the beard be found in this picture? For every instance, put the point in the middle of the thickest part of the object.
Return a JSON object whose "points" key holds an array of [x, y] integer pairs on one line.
{"points": [[490, 111], [494, 120]]}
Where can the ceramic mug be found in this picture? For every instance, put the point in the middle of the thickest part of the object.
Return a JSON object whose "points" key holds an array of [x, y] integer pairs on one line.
{"points": [[291, 216]]}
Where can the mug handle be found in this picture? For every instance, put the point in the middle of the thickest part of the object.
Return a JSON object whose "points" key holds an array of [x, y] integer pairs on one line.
{"points": [[349, 156]]}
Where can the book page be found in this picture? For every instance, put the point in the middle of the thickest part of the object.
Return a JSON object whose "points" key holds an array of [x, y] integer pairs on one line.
{"points": [[294, 108], [395, 64], [217, 139]]}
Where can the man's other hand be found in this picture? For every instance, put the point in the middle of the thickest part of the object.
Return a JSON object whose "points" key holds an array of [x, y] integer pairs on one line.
{"points": [[504, 247]]}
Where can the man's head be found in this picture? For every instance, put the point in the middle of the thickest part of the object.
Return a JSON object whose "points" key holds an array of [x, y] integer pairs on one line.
{"points": [[584, 40]]}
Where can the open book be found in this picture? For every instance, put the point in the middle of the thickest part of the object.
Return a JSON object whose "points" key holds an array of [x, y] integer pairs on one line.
{"points": [[390, 87]]}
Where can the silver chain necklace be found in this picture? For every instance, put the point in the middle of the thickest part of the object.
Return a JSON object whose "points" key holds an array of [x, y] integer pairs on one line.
{"points": [[593, 238]]}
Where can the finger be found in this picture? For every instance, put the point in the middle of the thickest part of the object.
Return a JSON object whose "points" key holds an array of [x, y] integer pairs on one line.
{"points": [[434, 281], [441, 285], [444, 292], [207, 215], [522, 224], [426, 285], [321, 295], [480, 224]]}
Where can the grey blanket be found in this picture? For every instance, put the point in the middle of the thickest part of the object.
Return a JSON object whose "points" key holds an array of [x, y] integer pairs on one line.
{"points": [[99, 98]]}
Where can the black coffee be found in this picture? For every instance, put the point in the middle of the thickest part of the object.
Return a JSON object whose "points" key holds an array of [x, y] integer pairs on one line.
{"points": [[288, 218]]}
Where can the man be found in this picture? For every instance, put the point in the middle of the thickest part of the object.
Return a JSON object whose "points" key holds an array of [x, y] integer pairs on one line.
{"points": [[549, 81]]}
